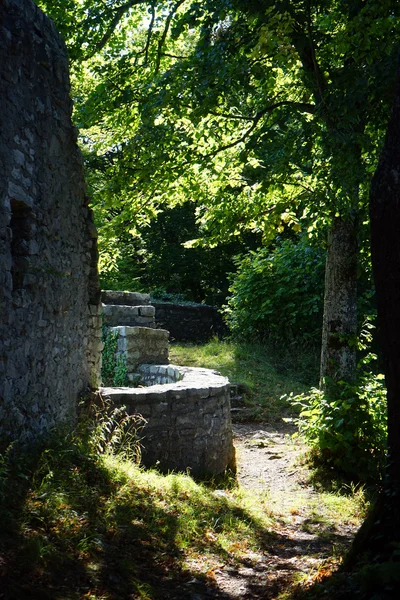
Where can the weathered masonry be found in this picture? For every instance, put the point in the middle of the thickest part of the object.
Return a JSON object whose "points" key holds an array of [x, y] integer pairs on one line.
{"points": [[185, 322], [49, 293], [187, 410], [188, 418]]}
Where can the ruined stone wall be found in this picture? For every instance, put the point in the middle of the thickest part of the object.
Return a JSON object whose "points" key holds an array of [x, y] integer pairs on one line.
{"points": [[49, 293], [142, 345], [188, 421], [189, 322]]}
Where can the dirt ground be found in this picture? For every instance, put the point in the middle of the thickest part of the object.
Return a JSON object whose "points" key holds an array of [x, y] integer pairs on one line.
{"points": [[268, 464]]}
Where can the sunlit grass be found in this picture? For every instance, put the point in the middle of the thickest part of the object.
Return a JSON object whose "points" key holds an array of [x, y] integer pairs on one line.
{"points": [[203, 518], [265, 379], [76, 524]]}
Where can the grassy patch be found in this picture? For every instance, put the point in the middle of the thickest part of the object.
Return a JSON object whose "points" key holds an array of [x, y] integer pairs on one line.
{"points": [[78, 521], [77, 525], [266, 376]]}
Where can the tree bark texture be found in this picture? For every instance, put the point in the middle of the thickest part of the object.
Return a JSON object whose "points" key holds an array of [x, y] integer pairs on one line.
{"points": [[380, 533], [385, 248], [338, 353]]}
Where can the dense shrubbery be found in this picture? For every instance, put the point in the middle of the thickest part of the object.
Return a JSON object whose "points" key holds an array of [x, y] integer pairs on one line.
{"points": [[158, 259], [278, 294], [347, 432]]}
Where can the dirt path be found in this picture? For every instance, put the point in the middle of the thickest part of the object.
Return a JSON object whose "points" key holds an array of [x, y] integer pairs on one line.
{"points": [[268, 464]]}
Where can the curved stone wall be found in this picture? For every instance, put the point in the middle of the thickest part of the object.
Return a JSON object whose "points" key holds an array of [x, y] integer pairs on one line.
{"points": [[188, 421]]}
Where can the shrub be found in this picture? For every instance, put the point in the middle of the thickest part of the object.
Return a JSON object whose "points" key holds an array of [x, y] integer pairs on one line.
{"points": [[278, 294], [349, 432], [113, 368]]}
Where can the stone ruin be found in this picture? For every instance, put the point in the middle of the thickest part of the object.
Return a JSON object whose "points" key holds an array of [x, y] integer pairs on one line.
{"points": [[187, 409], [50, 309], [50, 327]]}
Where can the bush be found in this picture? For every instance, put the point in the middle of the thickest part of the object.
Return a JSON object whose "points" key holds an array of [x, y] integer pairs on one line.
{"points": [[113, 367], [278, 294], [349, 432]]}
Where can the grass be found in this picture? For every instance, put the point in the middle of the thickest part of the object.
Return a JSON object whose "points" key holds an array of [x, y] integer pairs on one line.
{"points": [[78, 521], [266, 377], [79, 525], [75, 524]]}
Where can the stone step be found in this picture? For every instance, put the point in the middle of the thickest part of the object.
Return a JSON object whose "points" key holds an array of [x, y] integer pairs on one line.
{"points": [[125, 298]]}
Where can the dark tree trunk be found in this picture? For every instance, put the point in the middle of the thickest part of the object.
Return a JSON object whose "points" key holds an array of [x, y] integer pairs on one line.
{"points": [[380, 534], [385, 248], [339, 332]]}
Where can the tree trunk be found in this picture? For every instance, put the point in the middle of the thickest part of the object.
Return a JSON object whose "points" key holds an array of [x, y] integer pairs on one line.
{"points": [[339, 332], [380, 534], [385, 248]]}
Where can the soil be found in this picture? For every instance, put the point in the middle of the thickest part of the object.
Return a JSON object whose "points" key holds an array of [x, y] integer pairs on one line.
{"points": [[301, 548]]}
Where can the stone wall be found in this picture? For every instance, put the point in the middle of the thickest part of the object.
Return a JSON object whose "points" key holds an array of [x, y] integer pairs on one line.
{"points": [[185, 322], [131, 316], [188, 422], [142, 345], [189, 322], [50, 334], [127, 308], [124, 298]]}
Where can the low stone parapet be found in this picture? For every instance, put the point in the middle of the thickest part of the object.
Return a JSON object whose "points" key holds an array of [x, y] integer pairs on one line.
{"points": [[151, 375], [188, 421], [115, 315]]}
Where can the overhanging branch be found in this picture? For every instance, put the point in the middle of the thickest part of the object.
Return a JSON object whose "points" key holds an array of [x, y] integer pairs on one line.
{"points": [[300, 106], [120, 11]]}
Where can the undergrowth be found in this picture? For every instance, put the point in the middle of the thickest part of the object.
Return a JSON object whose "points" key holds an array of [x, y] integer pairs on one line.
{"points": [[347, 430], [80, 520]]}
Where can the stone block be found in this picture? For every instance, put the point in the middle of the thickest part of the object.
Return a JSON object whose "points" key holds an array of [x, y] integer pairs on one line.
{"points": [[126, 298]]}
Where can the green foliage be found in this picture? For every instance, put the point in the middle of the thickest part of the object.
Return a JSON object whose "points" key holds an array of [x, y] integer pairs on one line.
{"points": [[113, 368], [158, 258], [278, 294], [196, 273], [267, 116], [348, 432], [112, 430]]}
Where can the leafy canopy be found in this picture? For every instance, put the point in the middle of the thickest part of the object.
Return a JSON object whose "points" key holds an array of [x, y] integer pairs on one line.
{"points": [[267, 115]]}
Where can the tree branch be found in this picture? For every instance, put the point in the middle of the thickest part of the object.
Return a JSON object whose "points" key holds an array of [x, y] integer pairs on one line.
{"points": [[302, 40], [301, 106], [317, 71], [149, 32], [120, 11], [164, 35], [174, 56]]}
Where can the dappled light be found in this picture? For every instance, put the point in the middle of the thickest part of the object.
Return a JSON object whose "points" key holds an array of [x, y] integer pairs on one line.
{"points": [[209, 165]]}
